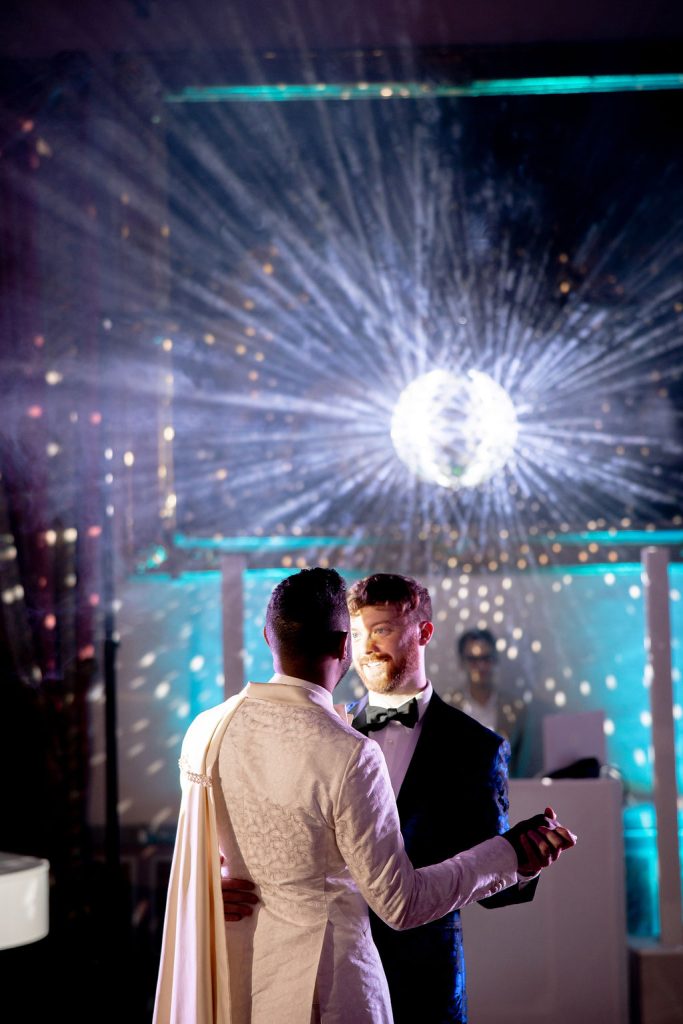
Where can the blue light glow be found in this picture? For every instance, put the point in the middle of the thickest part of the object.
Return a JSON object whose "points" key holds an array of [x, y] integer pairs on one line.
{"points": [[552, 85]]}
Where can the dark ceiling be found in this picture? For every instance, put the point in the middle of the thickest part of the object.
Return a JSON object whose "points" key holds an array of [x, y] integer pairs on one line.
{"points": [[31, 28]]}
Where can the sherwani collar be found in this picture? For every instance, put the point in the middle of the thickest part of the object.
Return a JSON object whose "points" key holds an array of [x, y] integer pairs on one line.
{"points": [[294, 692], [297, 692], [280, 679]]}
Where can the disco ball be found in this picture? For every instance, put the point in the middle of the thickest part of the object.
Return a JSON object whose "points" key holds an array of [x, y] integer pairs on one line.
{"points": [[454, 431]]}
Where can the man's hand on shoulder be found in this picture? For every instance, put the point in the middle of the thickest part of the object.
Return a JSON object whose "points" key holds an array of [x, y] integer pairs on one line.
{"points": [[539, 841]]}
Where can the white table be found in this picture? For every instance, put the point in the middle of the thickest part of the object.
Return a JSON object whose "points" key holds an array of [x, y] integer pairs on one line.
{"points": [[24, 898]]}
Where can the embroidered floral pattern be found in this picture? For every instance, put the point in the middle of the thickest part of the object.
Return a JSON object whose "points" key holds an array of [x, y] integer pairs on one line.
{"points": [[281, 844]]}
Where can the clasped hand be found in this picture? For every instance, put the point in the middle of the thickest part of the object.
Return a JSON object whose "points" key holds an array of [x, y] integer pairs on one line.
{"points": [[539, 841]]}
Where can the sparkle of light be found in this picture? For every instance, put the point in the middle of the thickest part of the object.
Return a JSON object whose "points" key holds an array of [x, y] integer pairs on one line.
{"points": [[454, 431]]}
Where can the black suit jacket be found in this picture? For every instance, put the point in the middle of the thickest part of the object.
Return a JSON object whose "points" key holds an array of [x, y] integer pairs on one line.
{"points": [[454, 795]]}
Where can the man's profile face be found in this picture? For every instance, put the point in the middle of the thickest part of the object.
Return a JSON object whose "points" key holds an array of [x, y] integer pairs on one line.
{"points": [[386, 647], [479, 659]]}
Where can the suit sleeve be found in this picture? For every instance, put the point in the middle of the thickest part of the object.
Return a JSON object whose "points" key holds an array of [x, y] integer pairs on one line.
{"points": [[369, 839], [496, 802]]}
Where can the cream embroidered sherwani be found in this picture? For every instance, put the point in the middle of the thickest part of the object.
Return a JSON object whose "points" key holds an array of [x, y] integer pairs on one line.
{"points": [[301, 803]]}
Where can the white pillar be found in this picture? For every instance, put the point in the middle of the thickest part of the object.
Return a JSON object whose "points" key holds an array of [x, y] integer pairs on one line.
{"points": [[232, 595], [656, 577]]}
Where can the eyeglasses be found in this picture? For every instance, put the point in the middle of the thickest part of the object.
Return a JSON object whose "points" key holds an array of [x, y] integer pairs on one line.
{"points": [[488, 658]]}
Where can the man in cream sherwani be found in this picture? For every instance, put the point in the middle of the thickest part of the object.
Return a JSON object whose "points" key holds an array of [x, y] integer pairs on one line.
{"points": [[298, 801]]}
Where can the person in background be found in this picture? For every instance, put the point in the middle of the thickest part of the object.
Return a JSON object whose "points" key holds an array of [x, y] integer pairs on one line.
{"points": [[481, 697], [503, 711]]}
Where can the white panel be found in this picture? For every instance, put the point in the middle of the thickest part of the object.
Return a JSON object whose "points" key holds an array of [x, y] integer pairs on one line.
{"points": [[563, 957]]}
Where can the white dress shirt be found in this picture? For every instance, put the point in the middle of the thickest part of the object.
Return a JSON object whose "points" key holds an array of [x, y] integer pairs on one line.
{"points": [[398, 741]]}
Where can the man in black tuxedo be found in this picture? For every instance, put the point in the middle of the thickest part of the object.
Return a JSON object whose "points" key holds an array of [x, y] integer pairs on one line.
{"points": [[449, 774]]}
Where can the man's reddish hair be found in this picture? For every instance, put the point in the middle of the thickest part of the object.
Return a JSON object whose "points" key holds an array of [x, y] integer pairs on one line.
{"points": [[389, 588]]}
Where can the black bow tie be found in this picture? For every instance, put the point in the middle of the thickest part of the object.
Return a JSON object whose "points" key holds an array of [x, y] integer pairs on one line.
{"points": [[373, 717]]}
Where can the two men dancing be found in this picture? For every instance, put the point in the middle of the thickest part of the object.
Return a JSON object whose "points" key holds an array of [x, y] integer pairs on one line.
{"points": [[279, 784]]}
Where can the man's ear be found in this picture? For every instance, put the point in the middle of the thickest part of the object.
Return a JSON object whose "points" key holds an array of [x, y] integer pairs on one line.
{"points": [[426, 633], [341, 641], [265, 636]]}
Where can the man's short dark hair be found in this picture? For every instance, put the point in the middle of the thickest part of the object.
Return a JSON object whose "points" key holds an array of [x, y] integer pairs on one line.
{"points": [[389, 588], [482, 636], [305, 611]]}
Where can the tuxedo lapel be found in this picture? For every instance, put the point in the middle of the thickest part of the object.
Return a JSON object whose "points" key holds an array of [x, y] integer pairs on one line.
{"points": [[418, 774]]}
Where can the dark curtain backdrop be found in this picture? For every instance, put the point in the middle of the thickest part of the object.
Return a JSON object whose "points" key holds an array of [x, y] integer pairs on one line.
{"points": [[59, 249]]}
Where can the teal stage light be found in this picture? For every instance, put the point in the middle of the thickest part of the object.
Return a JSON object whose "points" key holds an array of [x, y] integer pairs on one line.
{"points": [[551, 85]]}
